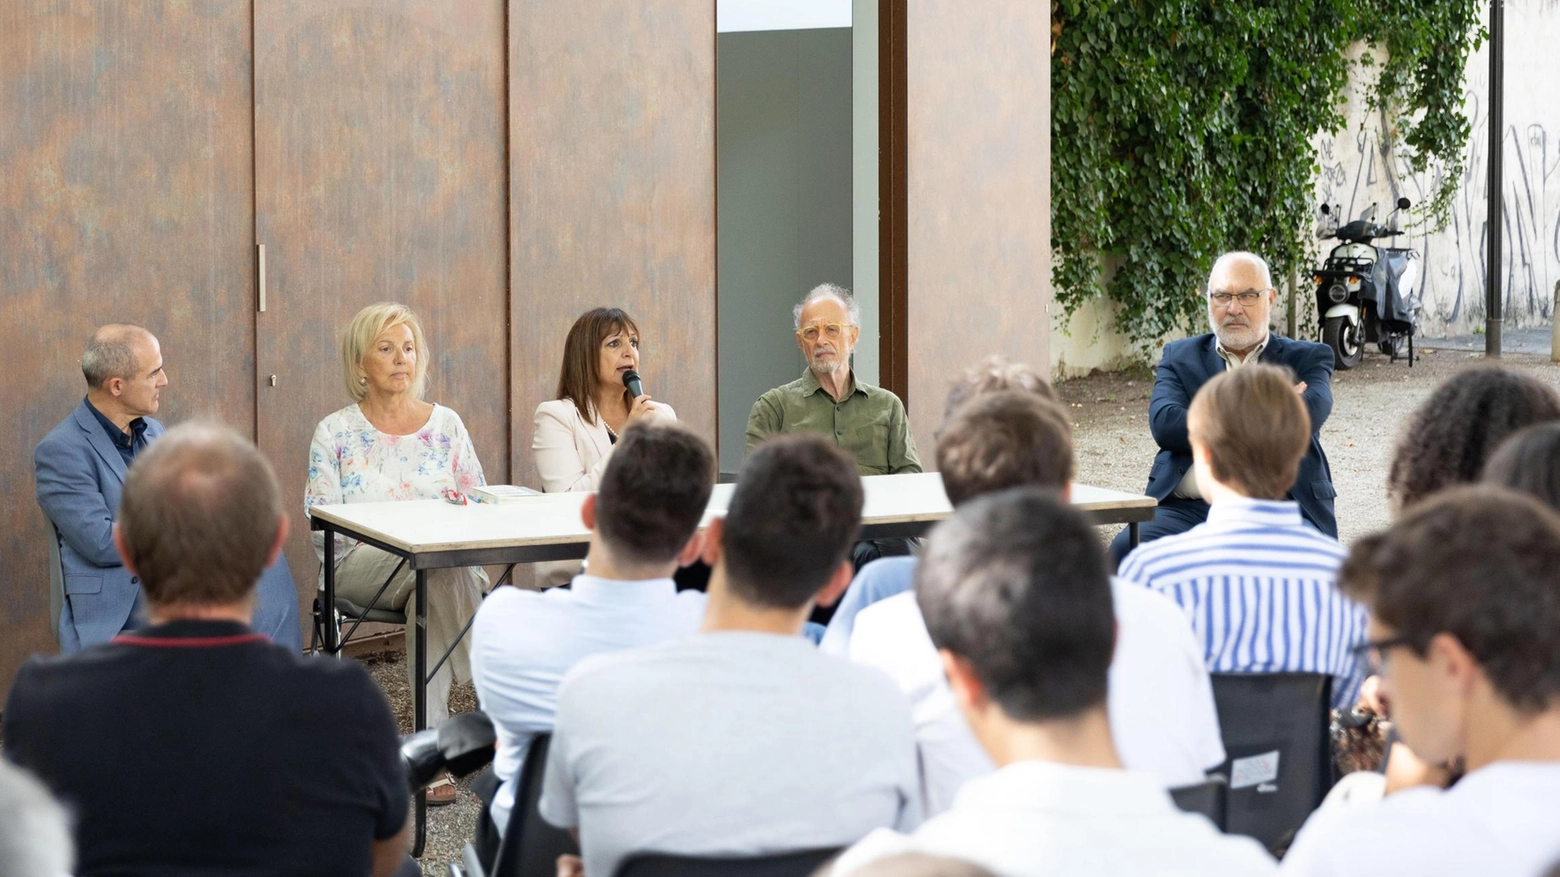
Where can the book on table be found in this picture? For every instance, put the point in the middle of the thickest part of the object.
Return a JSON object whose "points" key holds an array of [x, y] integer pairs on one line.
{"points": [[501, 493]]}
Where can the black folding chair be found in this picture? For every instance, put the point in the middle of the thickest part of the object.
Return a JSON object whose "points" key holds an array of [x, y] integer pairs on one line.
{"points": [[797, 864], [531, 845], [1209, 797], [1280, 767]]}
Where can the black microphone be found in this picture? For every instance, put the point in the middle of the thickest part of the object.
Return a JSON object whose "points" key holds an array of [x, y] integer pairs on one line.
{"points": [[631, 381]]}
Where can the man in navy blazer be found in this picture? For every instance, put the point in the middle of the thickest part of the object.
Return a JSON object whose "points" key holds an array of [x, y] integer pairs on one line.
{"points": [[1240, 303], [80, 469]]}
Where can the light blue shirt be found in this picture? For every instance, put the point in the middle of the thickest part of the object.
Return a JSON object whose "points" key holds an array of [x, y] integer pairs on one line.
{"points": [[523, 642], [1260, 588], [878, 580]]}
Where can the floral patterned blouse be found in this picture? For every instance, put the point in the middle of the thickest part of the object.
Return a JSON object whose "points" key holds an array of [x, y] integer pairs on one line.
{"points": [[351, 461]]}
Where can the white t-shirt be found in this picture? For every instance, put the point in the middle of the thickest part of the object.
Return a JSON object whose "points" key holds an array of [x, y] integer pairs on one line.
{"points": [[727, 743], [523, 642], [1160, 701], [1040, 819], [1502, 820]]}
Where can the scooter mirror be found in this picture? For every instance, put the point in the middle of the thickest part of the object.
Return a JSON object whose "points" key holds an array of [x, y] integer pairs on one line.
{"points": [[1404, 204], [1326, 210]]}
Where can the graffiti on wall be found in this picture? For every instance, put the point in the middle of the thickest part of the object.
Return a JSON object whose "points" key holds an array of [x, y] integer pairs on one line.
{"points": [[1359, 167]]}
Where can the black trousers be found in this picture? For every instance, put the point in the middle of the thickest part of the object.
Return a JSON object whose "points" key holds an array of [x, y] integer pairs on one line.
{"points": [[1174, 515]]}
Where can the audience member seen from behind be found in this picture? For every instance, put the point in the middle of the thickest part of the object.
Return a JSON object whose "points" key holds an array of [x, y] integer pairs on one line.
{"points": [[34, 830], [742, 739], [1529, 462], [1453, 432], [1257, 582], [1465, 635], [643, 524], [1160, 704], [1240, 307], [884, 578], [1018, 603], [389, 444], [80, 471], [181, 748]]}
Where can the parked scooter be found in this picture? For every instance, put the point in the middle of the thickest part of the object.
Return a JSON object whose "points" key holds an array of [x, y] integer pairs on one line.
{"points": [[1363, 292]]}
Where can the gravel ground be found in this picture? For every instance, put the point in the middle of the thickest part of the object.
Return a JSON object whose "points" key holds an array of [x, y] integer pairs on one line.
{"points": [[1371, 405]]}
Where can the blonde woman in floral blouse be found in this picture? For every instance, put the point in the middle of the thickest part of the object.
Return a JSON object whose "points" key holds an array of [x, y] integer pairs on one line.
{"points": [[389, 444]]}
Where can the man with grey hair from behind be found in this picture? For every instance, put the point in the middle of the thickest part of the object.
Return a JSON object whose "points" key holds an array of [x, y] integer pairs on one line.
{"points": [[177, 745], [79, 470], [1240, 299], [34, 831]]}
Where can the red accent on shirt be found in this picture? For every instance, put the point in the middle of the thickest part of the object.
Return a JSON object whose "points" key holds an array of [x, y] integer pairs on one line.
{"points": [[192, 642]]}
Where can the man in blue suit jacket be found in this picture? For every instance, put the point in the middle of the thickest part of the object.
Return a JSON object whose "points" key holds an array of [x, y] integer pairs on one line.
{"points": [[80, 468], [1240, 304]]}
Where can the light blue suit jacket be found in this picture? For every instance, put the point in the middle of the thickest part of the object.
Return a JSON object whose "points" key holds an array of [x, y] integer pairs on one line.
{"points": [[79, 476]]}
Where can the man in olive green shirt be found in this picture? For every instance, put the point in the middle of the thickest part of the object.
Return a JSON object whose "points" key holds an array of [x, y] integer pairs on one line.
{"points": [[866, 422]]}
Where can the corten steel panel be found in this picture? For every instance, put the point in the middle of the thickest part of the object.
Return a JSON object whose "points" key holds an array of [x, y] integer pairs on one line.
{"points": [[124, 196], [379, 175], [978, 193], [612, 182]]}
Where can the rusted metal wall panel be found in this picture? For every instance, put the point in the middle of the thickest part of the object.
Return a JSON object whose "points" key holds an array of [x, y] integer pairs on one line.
{"points": [[125, 195], [379, 175], [978, 192], [612, 182]]}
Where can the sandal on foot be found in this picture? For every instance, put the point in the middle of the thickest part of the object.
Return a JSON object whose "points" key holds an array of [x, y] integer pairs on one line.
{"points": [[441, 791]]}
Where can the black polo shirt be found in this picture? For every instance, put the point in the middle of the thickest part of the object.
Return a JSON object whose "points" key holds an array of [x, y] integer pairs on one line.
{"points": [[200, 748]]}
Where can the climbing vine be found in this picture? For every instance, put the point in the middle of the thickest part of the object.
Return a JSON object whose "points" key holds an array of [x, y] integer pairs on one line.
{"points": [[1183, 128]]}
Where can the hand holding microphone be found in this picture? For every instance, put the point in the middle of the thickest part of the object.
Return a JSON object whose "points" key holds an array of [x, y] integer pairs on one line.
{"points": [[642, 406]]}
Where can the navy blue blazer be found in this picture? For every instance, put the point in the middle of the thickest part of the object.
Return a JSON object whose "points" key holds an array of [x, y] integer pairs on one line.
{"points": [[79, 477], [1188, 364]]}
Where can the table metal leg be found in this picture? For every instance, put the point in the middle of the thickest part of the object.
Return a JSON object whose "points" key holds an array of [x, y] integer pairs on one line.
{"points": [[420, 698], [1132, 535], [328, 597]]}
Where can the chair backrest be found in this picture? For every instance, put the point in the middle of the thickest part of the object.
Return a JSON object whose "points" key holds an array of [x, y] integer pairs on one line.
{"points": [[531, 844], [56, 581], [1275, 729], [798, 864], [1209, 797]]}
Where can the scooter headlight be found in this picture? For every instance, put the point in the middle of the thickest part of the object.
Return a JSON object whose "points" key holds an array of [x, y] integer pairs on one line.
{"points": [[1337, 293]]}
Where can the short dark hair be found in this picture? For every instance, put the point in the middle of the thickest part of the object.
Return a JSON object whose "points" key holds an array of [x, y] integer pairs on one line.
{"points": [[654, 491], [198, 515], [1529, 462], [1015, 583], [996, 372], [1453, 432], [1005, 439], [1255, 427], [1478, 562], [794, 514]]}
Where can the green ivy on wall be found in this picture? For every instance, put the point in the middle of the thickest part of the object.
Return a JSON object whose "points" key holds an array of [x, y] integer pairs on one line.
{"points": [[1183, 128]]}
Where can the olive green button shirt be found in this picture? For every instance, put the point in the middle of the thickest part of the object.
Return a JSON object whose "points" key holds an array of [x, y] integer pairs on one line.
{"points": [[869, 423]]}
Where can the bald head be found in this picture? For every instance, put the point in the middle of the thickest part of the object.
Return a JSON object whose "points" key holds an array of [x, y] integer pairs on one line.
{"points": [[113, 352], [200, 518], [1240, 301]]}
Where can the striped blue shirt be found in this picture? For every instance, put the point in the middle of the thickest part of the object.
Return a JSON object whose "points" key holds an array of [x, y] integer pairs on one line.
{"points": [[1260, 588]]}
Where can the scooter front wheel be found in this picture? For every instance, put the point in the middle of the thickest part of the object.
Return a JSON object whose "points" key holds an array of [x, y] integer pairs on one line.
{"points": [[1343, 336]]}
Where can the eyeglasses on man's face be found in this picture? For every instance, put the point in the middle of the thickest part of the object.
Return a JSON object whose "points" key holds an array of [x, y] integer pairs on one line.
{"points": [[1373, 653], [1247, 299], [832, 331]]}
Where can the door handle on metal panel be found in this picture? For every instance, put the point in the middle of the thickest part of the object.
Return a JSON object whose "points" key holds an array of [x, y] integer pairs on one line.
{"points": [[262, 277]]}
